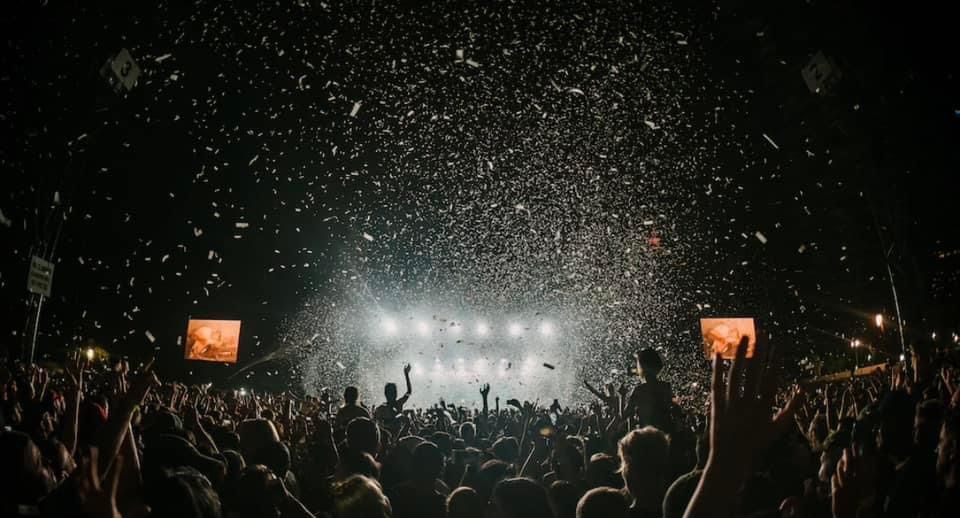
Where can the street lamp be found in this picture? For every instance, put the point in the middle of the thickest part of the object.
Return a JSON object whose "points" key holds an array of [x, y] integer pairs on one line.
{"points": [[855, 345]]}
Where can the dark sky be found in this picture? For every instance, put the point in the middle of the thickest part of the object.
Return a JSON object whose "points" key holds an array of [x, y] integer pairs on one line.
{"points": [[501, 155]]}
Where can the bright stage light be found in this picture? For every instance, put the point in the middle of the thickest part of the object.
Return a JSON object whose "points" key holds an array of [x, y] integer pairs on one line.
{"points": [[423, 328], [390, 326], [90, 354], [482, 329], [480, 366], [455, 328], [546, 329], [515, 329], [417, 369]]}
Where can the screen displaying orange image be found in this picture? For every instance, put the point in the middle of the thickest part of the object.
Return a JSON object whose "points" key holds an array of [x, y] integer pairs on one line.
{"points": [[213, 340], [721, 336]]}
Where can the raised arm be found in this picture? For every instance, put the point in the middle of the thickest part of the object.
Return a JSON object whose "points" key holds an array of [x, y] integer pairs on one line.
{"points": [[111, 436], [74, 371], [741, 428], [485, 393], [406, 377]]}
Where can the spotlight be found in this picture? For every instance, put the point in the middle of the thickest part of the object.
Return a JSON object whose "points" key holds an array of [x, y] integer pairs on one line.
{"points": [[423, 328], [390, 326], [527, 365], [482, 329], [546, 329], [878, 319], [480, 366], [417, 369], [90, 354], [455, 328], [243, 391], [515, 329]]}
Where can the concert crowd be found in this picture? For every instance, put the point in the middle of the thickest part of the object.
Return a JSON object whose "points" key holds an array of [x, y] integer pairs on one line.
{"points": [[102, 440]]}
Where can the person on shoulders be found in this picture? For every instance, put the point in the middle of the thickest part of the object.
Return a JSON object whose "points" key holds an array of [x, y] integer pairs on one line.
{"points": [[350, 409]]}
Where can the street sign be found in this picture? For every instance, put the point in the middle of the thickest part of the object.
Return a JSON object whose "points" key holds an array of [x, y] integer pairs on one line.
{"points": [[40, 279], [821, 73], [121, 71]]}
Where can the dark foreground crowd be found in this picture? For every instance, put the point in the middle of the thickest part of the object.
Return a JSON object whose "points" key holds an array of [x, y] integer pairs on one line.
{"points": [[104, 442]]}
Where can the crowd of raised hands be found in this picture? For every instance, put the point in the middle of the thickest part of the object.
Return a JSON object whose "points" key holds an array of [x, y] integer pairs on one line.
{"points": [[102, 440]]}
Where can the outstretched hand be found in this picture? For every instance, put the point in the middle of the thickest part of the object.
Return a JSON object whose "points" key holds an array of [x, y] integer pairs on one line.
{"points": [[852, 483], [406, 369], [741, 425], [485, 390], [98, 496], [74, 371], [741, 428], [141, 385]]}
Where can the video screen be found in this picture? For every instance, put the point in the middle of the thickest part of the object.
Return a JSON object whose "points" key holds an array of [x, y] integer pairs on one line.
{"points": [[722, 335], [213, 340]]}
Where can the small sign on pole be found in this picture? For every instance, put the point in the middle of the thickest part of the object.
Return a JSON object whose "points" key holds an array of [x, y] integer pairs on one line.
{"points": [[821, 73], [121, 71], [40, 280]]}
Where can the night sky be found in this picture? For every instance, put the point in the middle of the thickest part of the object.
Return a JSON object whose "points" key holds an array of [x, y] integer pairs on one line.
{"points": [[622, 168]]}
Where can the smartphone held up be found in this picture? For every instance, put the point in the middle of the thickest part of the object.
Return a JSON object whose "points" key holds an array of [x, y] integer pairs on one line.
{"points": [[722, 335]]}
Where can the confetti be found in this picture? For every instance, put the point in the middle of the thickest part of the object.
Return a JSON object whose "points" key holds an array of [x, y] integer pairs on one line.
{"points": [[770, 140]]}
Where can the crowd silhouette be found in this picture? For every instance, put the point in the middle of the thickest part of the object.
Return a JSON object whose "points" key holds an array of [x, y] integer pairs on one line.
{"points": [[98, 440]]}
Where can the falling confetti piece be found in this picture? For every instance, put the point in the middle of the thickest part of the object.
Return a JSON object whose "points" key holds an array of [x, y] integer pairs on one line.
{"points": [[368, 237], [150, 336], [760, 237], [770, 140], [356, 109]]}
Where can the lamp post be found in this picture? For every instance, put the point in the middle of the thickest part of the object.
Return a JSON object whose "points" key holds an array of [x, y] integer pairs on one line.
{"points": [[855, 345]]}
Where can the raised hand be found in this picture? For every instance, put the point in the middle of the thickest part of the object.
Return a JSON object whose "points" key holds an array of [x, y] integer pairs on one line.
{"points": [[485, 390], [141, 385], [852, 482], [406, 369], [741, 428], [74, 370], [741, 425], [96, 499]]}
